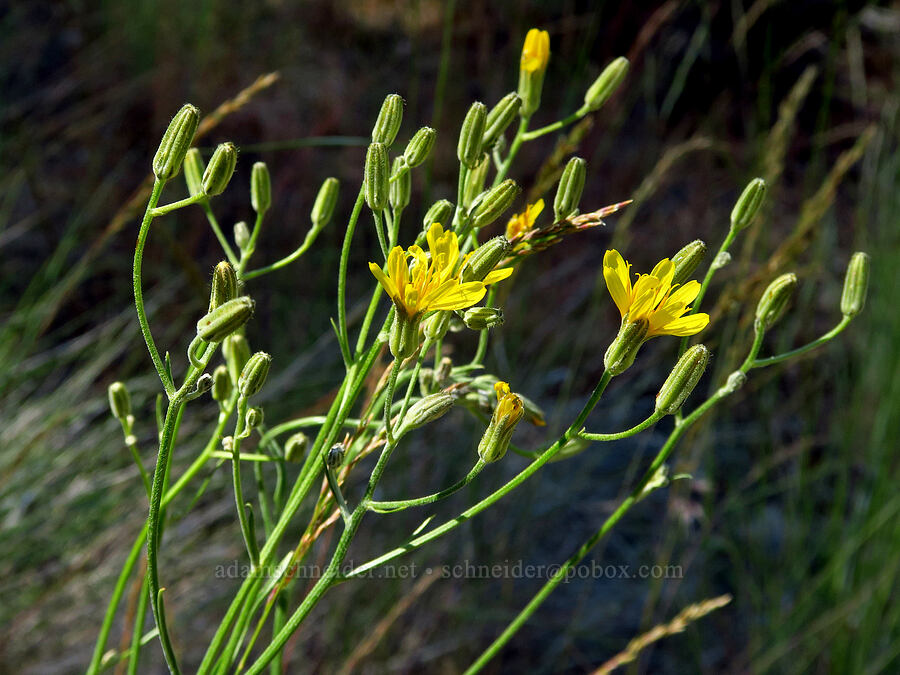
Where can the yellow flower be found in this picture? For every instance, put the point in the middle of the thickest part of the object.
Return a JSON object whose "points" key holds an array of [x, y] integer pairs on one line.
{"points": [[508, 404], [418, 282], [521, 223], [535, 51], [653, 297]]}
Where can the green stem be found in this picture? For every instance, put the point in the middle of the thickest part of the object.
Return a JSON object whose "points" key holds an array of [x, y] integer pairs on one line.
{"points": [[335, 488], [481, 351], [649, 422], [138, 629], [513, 151], [301, 423], [390, 507], [131, 444], [223, 240], [180, 204], [246, 530], [830, 335], [389, 400], [379, 230], [308, 241], [342, 277], [550, 128]]}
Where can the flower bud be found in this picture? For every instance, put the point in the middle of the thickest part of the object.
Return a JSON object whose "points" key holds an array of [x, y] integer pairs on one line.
{"points": [[480, 318], [621, 352], [443, 371], [219, 170], [236, 351], [254, 373], [389, 118], [571, 185], [404, 337], [494, 203], [419, 146], [193, 171], [221, 389], [439, 212], [507, 414], [326, 200], [748, 204], [224, 285], [241, 235], [533, 65], [427, 410], [856, 285], [499, 118], [335, 456], [119, 400], [254, 417], [175, 143], [605, 84], [296, 446], [376, 177], [436, 325], [260, 188], [687, 260], [682, 380], [774, 301], [468, 149], [475, 178], [225, 319], [485, 258], [400, 185]]}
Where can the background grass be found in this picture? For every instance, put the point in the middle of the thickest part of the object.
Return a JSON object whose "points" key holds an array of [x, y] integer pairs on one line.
{"points": [[793, 507]]}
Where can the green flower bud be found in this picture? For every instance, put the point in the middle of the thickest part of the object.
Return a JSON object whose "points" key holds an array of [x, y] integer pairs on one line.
{"points": [[494, 203], [236, 351], [479, 318], [439, 212], [475, 178], [571, 185], [260, 188], [241, 235], [389, 119], [419, 146], [621, 352], [219, 170], [605, 84], [682, 380], [774, 301], [856, 285], [400, 186], [443, 370], [531, 79], [254, 417], [499, 118], [436, 325], [507, 414], [175, 143], [225, 319], [748, 204], [427, 410], [194, 166], [376, 177], [224, 285], [296, 446], [119, 400], [254, 373], [221, 389], [485, 258], [468, 150], [335, 456], [326, 200], [687, 260], [404, 337]]}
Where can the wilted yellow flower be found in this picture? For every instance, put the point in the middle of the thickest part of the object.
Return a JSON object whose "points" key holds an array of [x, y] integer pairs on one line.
{"points": [[535, 51], [653, 297], [509, 411], [521, 223]]}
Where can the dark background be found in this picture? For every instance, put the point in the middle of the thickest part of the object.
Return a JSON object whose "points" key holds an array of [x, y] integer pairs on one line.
{"points": [[793, 504]]}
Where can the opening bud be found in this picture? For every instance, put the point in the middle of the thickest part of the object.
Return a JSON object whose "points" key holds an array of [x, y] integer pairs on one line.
{"points": [[571, 185], [605, 84], [439, 212], [241, 235], [260, 188], [687, 260], [856, 285], [494, 203], [621, 352], [225, 319], [485, 258], [475, 178], [533, 65], [236, 351], [499, 118], [221, 389], [326, 200], [480, 318], [389, 119], [400, 185], [376, 178], [774, 301], [254, 373], [682, 380], [175, 143], [427, 409], [468, 149], [254, 417], [748, 204], [404, 337], [296, 446], [419, 146], [194, 166], [224, 285], [507, 415], [119, 400], [436, 325], [335, 456], [219, 170]]}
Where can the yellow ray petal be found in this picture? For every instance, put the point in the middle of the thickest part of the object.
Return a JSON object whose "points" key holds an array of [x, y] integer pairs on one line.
{"points": [[458, 297], [385, 281], [497, 275], [686, 325], [615, 272]]}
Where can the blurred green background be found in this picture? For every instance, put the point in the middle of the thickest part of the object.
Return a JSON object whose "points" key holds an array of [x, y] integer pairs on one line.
{"points": [[793, 507]]}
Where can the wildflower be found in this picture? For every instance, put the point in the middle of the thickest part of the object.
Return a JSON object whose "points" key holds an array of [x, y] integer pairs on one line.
{"points": [[535, 51], [653, 297], [507, 414], [521, 223]]}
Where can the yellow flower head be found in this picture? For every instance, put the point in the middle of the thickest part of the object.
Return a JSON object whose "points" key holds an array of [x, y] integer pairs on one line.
{"points": [[509, 405], [653, 297], [535, 51], [521, 223], [418, 282]]}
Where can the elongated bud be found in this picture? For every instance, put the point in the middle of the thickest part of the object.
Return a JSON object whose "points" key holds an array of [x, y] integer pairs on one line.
{"points": [[687, 260], [475, 178], [485, 258], [326, 200], [254, 417], [224, 285], [400, 185], [621, 352], [241, 235], [436, 325], [389, 119], [856, 285], [335, 456], [774, 301], [533, 66], [499, 118], [236, 351], [377, 177], [468, 150], [571, 185], [254, 373], [225, 319], [682, 380], [439, 212], [296, 446], [494, 203], [175, 143], [119, 400], [404, 336], [219, 170], [260, 188], [507, 414], [605, 84], [221, 389], [479, 318], [427, 410], [419, 146], [748, 204], [194, 166]]}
